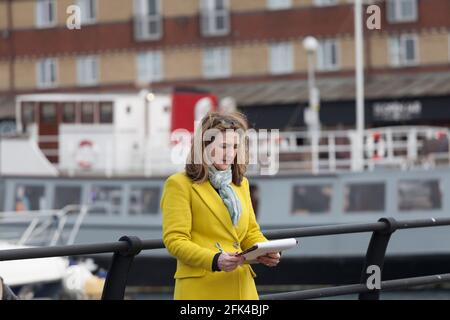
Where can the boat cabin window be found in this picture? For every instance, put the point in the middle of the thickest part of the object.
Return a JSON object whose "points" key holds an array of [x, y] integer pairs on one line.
{"points": [[68, 114], [364, 197], [106, 112], [87, 112], [2, 196], [311, 199], [28, 114], [29, 197], [66, 195], [254, 197], [144, 201], [419, 194], [48, 113], [105, 200]]}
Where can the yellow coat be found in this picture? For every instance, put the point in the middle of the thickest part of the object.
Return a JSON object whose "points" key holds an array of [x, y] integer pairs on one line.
{"points": [[194, 219]]}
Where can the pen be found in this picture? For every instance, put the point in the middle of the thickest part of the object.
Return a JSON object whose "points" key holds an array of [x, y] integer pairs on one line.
{"points": [[218, 246]]}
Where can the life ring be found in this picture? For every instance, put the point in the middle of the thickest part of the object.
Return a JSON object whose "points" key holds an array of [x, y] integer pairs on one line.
{"points": [[85, 154]]}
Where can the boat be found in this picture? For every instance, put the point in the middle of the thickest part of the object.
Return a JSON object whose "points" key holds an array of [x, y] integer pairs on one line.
{"points": [[116, 168]]}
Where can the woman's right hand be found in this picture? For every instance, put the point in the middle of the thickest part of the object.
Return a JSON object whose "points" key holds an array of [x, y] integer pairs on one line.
{"points": [[228, 261]]}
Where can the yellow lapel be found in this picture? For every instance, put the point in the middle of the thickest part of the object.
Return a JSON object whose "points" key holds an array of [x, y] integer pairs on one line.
{"points": [[214, 202]]}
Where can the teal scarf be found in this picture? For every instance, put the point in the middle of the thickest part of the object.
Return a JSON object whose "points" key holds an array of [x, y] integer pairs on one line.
{"points": [[221, 180]]}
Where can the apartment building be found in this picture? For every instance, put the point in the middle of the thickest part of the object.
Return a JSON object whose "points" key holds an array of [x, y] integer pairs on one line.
{"points": [[249, 49]]}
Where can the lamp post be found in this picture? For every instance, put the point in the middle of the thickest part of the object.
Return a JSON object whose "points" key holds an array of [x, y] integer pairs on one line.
{"points": [[311, 114]]}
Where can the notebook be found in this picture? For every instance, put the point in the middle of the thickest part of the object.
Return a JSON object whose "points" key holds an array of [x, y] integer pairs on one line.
{"points": [[261, 248]]}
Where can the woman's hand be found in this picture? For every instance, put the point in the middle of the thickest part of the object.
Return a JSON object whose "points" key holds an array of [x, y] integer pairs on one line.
{"points": [[270, 259], [229, 261]]}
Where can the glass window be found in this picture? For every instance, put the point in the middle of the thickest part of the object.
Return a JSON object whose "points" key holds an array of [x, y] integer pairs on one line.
{"points": [[311, 199], [281, 58], [2, 196], [328, 55], [66, 195], [403, 50], [87, 112], [279, 4], [216, 62], [48, 113], [106, 200], [28, 115], [106, 112], [419, 195], [402, 10], [87, 70], [147, 21], [360, 197], [28, 197], [149, 66], [68, 115], [215, 17], [144, 200], [45, 13], [88, 11], [46, 73]]}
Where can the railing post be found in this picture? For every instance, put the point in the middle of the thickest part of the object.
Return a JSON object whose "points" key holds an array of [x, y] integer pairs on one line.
{"points": [[375, 255], [116, 279]]}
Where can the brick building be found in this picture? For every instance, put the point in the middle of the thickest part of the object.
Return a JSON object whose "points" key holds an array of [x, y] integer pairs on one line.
{"points": [[249, 49]]}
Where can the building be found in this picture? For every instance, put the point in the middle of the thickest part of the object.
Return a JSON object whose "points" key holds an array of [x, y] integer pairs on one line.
{"points": [[251, 50]]}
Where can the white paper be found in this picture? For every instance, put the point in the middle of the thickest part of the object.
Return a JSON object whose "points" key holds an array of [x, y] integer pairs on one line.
{"points": [[270, 246]]}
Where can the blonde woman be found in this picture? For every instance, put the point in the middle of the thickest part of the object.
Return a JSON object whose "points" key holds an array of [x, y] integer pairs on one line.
{"points": [[208, 215]]}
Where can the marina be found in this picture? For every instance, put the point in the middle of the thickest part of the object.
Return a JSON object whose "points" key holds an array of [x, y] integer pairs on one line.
{"points": [[347, 145]]}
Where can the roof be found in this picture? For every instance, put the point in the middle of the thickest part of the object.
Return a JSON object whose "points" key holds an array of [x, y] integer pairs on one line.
{"points": [[379, 86]]}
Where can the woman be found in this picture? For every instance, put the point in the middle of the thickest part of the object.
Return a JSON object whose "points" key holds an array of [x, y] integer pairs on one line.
{"points": [[208, 215]]}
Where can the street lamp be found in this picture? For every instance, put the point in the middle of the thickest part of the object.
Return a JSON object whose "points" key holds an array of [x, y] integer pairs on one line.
{"points": [[311, 114]]}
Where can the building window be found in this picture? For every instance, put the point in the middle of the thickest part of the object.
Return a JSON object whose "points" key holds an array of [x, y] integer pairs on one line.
{"points": [[325, 2], [402, 10], [328, 55], [279, 4], [87, 71], [215, 17], [46, 71], [45, 13], [147, 20], [403, 50], [216, 62], [281, 58], [106, 112], [311, 199], [88, 11], [149, 65]]}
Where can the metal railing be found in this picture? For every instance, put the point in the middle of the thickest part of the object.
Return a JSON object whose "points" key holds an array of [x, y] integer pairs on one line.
{"points": [[127, 248]]}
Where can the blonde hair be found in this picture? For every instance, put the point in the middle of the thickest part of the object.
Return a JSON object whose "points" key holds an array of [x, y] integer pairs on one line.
{"points": [[222, 122]]}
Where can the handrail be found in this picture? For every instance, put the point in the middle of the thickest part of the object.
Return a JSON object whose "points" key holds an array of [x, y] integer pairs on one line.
{"points": [[128, 247]]}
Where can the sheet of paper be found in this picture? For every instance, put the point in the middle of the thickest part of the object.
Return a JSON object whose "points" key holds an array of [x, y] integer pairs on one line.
{"points": [[270, 246]]}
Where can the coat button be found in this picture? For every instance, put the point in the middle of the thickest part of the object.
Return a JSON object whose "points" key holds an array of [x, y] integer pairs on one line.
{"points": [[236, 245]]}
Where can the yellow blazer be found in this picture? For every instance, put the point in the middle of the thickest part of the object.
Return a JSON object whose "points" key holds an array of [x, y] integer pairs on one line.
{"points": [[194, 220]]}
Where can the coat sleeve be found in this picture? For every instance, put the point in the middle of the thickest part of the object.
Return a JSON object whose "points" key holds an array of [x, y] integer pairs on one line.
{"points": [[254, 233], [177, 221]]}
